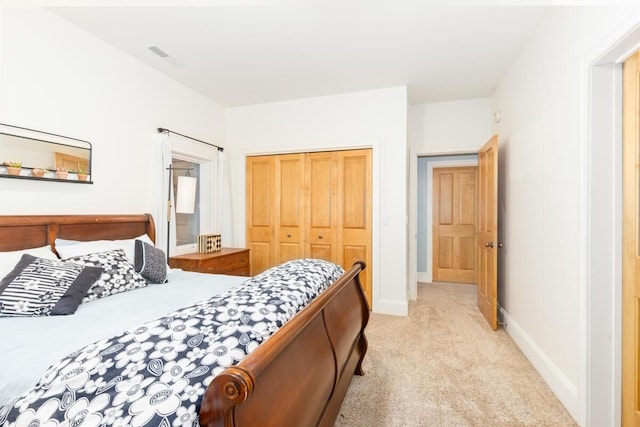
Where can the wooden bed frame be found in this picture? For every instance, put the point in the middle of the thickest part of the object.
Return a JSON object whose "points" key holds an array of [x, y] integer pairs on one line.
{"points": [[298, 377]]}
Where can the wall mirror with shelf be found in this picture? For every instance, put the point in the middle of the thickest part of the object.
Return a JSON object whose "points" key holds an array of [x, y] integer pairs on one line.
{"points": [[32, 154]]}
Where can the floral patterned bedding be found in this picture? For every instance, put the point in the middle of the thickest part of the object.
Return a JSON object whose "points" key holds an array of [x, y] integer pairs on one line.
{"points": [[156, 374]]}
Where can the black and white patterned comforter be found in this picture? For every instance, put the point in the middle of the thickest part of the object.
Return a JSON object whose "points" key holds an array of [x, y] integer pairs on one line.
{"points": [[157, 373]]}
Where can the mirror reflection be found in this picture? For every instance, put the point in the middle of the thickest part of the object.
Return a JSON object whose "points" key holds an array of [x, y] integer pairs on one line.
{"points": [[29, 155]]}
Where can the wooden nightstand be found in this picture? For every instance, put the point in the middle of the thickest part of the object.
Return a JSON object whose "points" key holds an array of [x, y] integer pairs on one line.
{"points": [[231, 261]]}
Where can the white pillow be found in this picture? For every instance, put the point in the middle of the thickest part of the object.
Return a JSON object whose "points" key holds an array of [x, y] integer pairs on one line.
{"points": [[72, 248], [8, 260]]}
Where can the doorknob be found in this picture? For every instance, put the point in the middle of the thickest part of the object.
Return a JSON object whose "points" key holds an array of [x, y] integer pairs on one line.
{"points": [[490, 245]]}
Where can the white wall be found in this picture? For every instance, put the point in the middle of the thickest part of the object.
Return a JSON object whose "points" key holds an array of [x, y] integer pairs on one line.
{"points": [[543, 198], [56, 77], [450, 127], [376, 119]]}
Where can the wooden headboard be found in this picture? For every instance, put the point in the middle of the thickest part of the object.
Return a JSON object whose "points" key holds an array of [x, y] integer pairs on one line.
{"points": [[22, 232]]}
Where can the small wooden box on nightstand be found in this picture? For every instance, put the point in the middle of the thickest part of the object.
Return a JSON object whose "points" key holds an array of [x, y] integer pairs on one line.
{"points": [[231, 261]]}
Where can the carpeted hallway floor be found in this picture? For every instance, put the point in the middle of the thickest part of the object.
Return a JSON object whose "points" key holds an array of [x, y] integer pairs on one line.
{"points": [[443, 366]]}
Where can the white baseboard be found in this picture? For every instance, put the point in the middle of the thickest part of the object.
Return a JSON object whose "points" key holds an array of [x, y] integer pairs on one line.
{"points": [[395, 308], [423, 277], [564, 389]]}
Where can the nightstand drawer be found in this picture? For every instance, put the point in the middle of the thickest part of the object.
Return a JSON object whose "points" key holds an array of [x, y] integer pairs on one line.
{"points": [[227, 263], [234, 262], [244, 271]]}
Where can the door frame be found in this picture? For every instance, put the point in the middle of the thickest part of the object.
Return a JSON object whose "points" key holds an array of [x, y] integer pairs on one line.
{"points": [[599, 391], [414, 277]]}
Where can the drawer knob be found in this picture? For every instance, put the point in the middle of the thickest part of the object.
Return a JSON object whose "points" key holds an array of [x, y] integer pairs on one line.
{"points": [[289, 235], [320, 236]]}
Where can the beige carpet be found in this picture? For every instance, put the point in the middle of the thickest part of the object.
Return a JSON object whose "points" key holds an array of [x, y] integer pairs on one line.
{"points": [[443, 366]]}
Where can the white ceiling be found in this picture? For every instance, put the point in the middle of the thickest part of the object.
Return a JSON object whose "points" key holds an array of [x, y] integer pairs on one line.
{"points": [[244, 55]]}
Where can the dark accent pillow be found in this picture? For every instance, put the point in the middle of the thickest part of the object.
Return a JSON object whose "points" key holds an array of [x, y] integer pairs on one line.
{"points": [[45, 287], [119, 274], [150, 262]]}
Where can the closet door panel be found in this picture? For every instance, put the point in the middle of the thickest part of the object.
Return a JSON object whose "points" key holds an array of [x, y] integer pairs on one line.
{"points": [[354, 197], [321, 252], [260, 212], [354, 212], [260, 234], [353, 253], [261, 192], [260, 253], [290, 181], [321, 206], [288, 252]]}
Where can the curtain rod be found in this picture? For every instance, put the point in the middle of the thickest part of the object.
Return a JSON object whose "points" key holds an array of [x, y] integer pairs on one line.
{"points": [[164, 130]]}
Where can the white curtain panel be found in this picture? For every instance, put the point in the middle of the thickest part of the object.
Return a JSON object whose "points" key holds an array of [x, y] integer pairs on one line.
{"points": [[161, 161], [224, 213]]}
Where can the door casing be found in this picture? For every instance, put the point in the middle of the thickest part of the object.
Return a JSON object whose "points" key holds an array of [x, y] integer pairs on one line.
{"points": [[598, 394]]}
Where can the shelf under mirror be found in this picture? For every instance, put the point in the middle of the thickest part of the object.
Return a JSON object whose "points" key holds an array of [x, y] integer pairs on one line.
{"points": [[37, 155]]}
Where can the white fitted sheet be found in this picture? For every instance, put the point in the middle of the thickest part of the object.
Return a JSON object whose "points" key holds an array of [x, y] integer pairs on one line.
{"points": [[29, 345]]}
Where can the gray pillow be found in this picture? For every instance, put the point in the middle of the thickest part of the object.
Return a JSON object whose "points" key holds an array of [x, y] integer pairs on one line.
{"points": [[150, 262], [44, 287]]}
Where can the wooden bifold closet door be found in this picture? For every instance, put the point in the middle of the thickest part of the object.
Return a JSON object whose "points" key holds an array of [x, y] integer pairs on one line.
{"points": [[313, 205]]}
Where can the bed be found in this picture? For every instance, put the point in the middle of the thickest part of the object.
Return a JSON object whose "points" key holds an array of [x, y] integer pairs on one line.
{"points": [[298, 376]]}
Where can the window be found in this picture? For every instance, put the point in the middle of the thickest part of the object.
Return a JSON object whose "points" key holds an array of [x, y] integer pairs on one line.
{"points": [[203, 167], [187, 225]]}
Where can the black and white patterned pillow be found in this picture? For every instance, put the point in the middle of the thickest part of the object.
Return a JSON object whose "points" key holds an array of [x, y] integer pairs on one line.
{"points": [[150, 262], [45, 287], [119, 274]]}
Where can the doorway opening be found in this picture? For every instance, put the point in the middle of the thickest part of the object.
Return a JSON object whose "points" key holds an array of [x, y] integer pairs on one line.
{"points": [[424, 235]]}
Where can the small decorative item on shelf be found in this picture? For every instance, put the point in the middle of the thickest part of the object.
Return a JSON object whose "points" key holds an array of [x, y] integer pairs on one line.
{"points": [[208, 243], [13, 168], [62, 172], [38, 172], [82, 173]]}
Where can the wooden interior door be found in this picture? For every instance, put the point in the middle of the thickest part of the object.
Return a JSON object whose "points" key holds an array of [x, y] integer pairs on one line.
{"points": [[321, 206], [261, 208], [455, 202], [488, 231], [354, 212], [290, 213], [631, 242]]}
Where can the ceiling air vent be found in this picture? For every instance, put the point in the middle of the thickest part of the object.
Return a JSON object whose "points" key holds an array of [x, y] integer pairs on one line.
{"points": [[161, 53], [164, 55]]}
